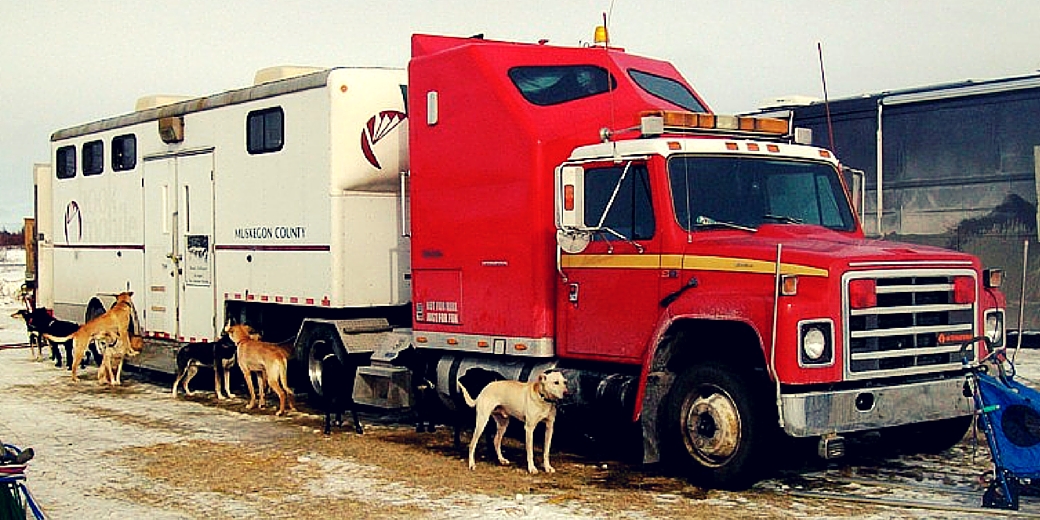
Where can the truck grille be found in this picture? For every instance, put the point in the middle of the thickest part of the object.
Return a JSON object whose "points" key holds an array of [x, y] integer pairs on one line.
{"points": [[900, 335]]}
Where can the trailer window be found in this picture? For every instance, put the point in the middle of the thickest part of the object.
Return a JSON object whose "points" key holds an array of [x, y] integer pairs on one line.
{"points": [[631, 214], [553, 85], [667, 89], [265, 130], [124, 152], [65, 160], [93, 158]]}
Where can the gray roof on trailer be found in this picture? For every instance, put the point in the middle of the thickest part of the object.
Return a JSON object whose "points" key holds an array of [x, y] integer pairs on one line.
{"points": [[231, 97], [934, 92]]}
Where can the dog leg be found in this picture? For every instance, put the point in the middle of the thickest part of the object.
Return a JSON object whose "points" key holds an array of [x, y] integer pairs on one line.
{"points": [[529, 437], [478, 430], [227, 383], [177, 381], [216, 379], [79, 346], [55, 353], [119, 371], [357, 422], [548, 442], [68, 355], [249, 386], [189, 372], [502, 421], [328, 423]]}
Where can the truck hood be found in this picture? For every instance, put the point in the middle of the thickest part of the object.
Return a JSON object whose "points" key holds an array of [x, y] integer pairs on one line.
{"points": [[819, 247]]}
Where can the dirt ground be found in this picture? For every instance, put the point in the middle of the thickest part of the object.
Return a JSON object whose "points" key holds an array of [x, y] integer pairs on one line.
{"points": [[135, 451]]}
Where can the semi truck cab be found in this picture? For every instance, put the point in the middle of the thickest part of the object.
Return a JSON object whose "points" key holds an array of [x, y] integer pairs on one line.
{"points": [[768, 306]]}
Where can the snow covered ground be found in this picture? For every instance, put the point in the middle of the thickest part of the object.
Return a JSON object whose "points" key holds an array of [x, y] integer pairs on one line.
{"points": [[68, 472]]}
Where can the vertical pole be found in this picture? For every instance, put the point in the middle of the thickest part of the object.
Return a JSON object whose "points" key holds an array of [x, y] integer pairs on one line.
{"points": [[772, 349], [1022, 298]]}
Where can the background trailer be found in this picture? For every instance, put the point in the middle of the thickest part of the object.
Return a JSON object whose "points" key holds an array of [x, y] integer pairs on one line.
{"points": [[957, 165]]}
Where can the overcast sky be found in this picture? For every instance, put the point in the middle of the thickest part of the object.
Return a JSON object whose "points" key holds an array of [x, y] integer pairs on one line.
{"points": [[63, 63]]}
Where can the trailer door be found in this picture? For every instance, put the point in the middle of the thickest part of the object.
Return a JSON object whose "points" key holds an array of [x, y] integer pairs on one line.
{"points": [[196, 305], [180, 300]]}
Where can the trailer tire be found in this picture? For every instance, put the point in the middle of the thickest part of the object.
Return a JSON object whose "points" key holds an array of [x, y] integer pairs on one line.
{"points": [[94, 309], [323, 346], [716, 428]]}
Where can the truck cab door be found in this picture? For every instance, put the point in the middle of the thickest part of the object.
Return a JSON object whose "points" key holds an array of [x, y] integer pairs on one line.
{"points": [[607, 302]]}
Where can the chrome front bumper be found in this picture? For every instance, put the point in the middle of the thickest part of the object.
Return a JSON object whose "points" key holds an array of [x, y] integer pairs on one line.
{"points": [[818, 413]]}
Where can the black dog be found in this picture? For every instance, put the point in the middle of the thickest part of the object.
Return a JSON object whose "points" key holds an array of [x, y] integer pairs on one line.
{"points": [[218, 355], [337, 394], [39, 322]]}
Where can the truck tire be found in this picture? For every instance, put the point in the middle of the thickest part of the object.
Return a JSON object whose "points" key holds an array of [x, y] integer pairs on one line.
{"points": [[323, 347], [932, 437], [717, 428]]}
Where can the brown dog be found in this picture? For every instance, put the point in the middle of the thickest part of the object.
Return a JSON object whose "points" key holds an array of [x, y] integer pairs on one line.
{"points": [[531, 402], [270, 360], [114, 322]]}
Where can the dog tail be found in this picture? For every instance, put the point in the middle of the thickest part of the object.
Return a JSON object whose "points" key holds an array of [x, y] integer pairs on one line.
{"points": [[58, 339], [465, 395]]}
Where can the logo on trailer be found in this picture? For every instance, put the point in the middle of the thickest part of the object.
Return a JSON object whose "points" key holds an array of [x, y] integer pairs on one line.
{"points": [[378, 127], [73, 222]]}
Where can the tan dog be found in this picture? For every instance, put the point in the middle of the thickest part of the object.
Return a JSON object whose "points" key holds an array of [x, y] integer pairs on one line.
{"points": [[113, 354], [531, 402], [270, 360], [114, 322]]}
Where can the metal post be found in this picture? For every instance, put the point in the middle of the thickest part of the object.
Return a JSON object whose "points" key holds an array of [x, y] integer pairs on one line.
{"points": [[1022, 298], [772, 349]]}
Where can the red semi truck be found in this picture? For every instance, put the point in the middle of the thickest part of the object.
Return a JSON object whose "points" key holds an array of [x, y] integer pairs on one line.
{"points": [[700, 278]]}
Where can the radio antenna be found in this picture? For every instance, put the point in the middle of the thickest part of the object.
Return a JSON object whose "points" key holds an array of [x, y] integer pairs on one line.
{"points": [[826, 101]]}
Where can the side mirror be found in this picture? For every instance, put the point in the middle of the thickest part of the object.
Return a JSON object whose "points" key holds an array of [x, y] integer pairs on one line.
{"points": [[857, 186], [571, 236], [570, 196]]}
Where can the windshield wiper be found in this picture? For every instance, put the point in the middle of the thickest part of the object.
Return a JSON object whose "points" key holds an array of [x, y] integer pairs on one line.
{"points": [[703, 221], [783, 218]]}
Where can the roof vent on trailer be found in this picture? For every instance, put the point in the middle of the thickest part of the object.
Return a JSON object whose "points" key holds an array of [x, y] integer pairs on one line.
{"points": [[270, 74], [157, 100]]}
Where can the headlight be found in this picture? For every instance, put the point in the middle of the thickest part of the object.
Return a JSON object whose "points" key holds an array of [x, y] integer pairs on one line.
{"points": [[816, 343], [995, 327]]}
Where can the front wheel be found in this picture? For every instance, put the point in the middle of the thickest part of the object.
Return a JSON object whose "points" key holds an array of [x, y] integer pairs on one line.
{"points": [[717, 427]]}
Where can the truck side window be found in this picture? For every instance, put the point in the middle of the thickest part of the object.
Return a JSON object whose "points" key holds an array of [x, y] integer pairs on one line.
{"points": [[632, 213], [265, 130], [667, 89], [65, 160], [552, 85], [93, 157]]}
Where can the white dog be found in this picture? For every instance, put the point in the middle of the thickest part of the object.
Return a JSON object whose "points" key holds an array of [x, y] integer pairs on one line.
{"points": [[531, 402]]}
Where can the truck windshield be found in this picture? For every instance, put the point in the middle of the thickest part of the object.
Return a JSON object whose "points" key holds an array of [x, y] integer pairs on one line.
{"points": [[745, 192]]}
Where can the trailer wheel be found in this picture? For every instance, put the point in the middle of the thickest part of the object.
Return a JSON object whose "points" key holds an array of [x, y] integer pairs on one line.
{"points": [[320, 349], [94, 309], [716, 428]]}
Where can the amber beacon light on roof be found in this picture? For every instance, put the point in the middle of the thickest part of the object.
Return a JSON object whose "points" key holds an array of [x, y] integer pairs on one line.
{"points": [[657, 122]]}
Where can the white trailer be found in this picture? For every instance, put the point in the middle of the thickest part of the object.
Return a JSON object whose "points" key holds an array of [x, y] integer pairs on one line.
{"points": [[286, 194]]}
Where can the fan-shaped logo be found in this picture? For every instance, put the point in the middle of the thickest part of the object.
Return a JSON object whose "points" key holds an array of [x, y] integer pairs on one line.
{"points": [[73, 223], [378, 127]]}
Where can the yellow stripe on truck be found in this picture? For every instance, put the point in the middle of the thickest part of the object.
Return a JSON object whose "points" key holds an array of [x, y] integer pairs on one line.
{"points": [[694, 263]]}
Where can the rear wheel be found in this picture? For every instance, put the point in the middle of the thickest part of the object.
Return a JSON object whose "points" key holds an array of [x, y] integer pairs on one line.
{"points": [[320, 353], [717, 427]]}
